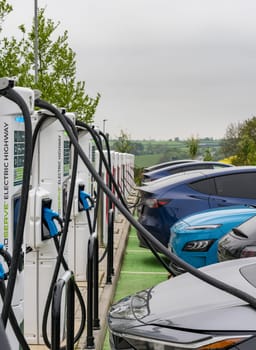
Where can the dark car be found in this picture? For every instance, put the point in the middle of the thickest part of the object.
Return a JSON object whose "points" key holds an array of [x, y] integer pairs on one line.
{"points": [[167, 200], [185, 313], [240, 242], [179, 168], [163, 165]]}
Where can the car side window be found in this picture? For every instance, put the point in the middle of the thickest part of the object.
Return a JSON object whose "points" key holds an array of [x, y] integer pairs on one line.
{"points": [[236, 185], [217, 166], [206, 186], [175, 171], [199, 166]]}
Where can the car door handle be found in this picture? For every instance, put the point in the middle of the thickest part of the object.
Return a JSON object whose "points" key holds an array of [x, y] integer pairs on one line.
{"points": [[199, 197]]}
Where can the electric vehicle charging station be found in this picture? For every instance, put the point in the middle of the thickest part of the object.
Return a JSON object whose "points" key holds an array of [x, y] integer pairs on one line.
{"points": [[123, 173], [50, 175], [113, 163], [47, 202], [106, 203], [101, 217], [12, 136], [130, 172], [113, 156], [117, 177], [133, 169], [79, 228], [118, 173]]}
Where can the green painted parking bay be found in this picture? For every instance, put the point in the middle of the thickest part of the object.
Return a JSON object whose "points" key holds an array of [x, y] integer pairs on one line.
{"points": [[140, 270]]}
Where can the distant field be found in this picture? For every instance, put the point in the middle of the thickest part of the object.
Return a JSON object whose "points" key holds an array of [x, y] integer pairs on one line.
{"points": [[147, 160], [151, 152]]}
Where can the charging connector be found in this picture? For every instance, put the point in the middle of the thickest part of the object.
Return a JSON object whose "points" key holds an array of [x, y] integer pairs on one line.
{"points": [[49, 228], [7, 260], [85, 201]]}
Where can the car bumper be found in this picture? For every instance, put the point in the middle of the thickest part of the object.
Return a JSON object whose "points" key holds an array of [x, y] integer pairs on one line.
{"points": [[157, 235]]}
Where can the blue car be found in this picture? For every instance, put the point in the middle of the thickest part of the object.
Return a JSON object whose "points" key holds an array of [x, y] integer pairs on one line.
{"points": [[167, 200], [195, 237], [179, 168]]}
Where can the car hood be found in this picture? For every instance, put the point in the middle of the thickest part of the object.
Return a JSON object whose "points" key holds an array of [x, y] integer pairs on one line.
{"points": [[187, 303], [219, 216]]}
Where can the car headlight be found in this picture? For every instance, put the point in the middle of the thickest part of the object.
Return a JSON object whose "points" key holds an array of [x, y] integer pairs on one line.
{"points": [[198, 246], [132, 307], [122, 309], [203, 227]]}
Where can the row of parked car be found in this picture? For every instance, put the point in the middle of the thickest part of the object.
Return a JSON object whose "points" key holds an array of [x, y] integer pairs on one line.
{"points": [[203, 215], [204, 212]]}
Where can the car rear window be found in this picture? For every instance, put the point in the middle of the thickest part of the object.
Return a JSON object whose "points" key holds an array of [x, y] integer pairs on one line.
{"points": [[204, 186], [167, 181]]}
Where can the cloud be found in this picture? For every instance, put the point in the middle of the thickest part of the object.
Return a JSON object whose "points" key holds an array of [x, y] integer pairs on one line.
{"points": [[164, 68]]}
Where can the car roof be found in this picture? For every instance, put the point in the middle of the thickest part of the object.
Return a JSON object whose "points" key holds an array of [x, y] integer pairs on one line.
{"points": [[193, 176], [186, 165], [171, 162]]}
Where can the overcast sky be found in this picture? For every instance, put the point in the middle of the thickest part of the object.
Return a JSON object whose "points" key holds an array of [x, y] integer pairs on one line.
{"points": [[164, 68]]}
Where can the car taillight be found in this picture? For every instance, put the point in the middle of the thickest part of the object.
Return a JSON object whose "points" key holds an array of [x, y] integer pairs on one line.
{"points": [[156, 203], [248, 252]]}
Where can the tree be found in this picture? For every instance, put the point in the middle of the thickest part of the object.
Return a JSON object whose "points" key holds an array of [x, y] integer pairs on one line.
{"points": [[193, 146], [240, 142], [207, 155], [229, 144], [246, 147], [10, 51], [5, 9], [123, 143], [56, 68]]}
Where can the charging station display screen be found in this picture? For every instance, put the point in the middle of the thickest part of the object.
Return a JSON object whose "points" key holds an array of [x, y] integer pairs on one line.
{"points": [[16, 209], [66, 158], [19, 147]]}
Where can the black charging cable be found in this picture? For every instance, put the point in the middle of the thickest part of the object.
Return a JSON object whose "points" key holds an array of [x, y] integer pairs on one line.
{"points": [[12, 95], [160, 247], [106, 164], [61, 247]]}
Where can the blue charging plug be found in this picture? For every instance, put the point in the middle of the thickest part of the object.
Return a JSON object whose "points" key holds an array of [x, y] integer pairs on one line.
{"points": [[83, 198], [49, 216], [7, 259]]}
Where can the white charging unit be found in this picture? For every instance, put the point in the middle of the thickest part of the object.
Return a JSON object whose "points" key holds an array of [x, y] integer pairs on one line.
{"points": [[12, 139], [50, 176], [79, 230]]}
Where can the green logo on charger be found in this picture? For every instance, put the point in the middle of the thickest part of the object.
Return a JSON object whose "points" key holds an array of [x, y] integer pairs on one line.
{"points": [[6, 224]]}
